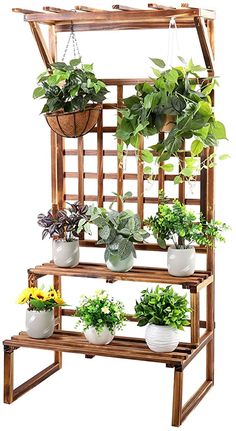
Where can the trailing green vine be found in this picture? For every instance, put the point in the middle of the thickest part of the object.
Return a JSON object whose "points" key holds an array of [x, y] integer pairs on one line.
{"points": [[181, 93]]}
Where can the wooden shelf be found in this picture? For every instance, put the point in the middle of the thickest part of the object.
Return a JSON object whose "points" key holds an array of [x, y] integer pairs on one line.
{"points": [[195, 282], [120, 347]]}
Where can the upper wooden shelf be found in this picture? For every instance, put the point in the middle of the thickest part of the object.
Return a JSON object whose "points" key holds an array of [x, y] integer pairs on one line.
{"points": [[121, 18], [195, 282]]}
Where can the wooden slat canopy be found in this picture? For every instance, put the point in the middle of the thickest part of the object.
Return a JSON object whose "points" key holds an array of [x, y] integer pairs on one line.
{"points": [[121, 17]]}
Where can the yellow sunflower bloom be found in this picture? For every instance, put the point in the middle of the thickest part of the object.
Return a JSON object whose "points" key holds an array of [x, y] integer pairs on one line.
{"points": [[25, 295], [39, 294], [52, 294], [59, 301]]}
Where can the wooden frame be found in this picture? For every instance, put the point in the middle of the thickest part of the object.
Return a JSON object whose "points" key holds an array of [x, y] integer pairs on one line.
{"points": [[122, 17]]}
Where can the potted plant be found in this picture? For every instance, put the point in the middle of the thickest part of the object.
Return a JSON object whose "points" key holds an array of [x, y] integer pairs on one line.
{"points": [[118, 231], [100, 317], [68, 89], [165, 313], [184, 229], [62, 227], [40, 315], [177, 101]]}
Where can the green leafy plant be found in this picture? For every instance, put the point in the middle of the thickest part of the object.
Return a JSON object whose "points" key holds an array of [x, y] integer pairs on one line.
{"points": [[162, 306], [117, 230], [181, 93], [183, 227], [69, 87], [99, 311], [40, 299]]}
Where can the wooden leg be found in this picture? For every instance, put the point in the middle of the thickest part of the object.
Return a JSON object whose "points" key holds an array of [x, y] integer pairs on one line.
{"points": [[11, 394], [210, 361], [8, 374], [58, 317], [177, 398], [89, 356]]}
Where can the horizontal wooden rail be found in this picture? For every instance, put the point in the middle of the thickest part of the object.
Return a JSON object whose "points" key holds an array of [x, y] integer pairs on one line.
{"points": [[146, 200]]}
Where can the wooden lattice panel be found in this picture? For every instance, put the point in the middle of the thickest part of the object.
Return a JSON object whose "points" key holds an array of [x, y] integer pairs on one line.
{"points": [[91, 163]]}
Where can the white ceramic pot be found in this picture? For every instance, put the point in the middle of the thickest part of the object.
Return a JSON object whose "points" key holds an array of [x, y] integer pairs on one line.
{"points": [[65, 253], [115, 264], [40, 324], [93, 337], [181, 262], [162, 338]]}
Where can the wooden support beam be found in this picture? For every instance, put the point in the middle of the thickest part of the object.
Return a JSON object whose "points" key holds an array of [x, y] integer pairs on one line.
{"points": [[205, 44], [24, 11], [56, 9], [88, 9], [124, 8], [160, 7], [43, 49]]}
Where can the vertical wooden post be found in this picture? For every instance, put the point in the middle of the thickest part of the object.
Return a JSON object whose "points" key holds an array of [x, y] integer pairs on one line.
{"points": [[100, 159], [140, 185], [177, 398], [8, 374], [195, 329], [120, 190], [161, 173], [181, 166], [210, 253], [57, 178]]}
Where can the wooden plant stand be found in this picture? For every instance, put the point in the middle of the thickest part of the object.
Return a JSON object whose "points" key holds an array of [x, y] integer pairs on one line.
{"points": [[123, 17]]}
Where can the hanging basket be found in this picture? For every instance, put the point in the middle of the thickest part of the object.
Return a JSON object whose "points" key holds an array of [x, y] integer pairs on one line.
{"points": [[74, 124], [170, 121]]}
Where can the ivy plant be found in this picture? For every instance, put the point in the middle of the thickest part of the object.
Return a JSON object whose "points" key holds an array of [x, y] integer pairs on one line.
{"points": [[162, 306], [183, 227], [99, 311], [181, 93], [69, 87], [118, 230]]}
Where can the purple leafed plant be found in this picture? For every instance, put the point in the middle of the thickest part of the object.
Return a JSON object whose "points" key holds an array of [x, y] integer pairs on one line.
{"points": [[64, 223]]}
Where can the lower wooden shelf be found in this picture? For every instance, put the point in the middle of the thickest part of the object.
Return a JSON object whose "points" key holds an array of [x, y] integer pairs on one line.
{"points": [[120, 347]]}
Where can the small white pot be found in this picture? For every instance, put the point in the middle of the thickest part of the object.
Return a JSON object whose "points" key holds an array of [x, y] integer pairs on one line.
{"points": [[115, 264], [40, 324], [162, 338], [181, 262], [65, 253], [93, 337]]}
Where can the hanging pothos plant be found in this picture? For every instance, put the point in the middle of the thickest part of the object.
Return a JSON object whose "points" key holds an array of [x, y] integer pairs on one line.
{"points": [[181, 93]]}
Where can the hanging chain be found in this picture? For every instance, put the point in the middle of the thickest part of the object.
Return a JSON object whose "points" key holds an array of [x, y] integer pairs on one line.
{"points": [[75, 44]]}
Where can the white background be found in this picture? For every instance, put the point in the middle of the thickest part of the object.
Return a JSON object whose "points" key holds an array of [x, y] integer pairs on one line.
{"points": [[102, 393]]}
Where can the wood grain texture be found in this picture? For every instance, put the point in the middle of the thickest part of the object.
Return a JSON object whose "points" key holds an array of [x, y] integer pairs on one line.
{"points": [[42, 46]]}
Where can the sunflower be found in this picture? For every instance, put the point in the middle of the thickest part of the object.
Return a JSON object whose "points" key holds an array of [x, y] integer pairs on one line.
{"points": [[25, 295], [52, 294], [59, 301], [39, 294]]}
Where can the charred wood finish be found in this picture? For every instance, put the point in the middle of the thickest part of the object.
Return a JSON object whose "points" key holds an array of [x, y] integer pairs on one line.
{"points": [[122, 17]]}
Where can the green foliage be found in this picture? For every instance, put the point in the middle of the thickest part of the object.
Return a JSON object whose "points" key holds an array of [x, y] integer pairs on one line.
{"points": [[162, 306], [68, 88], [99, 311], [176, 92], [117, 230], [183, 228]]}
